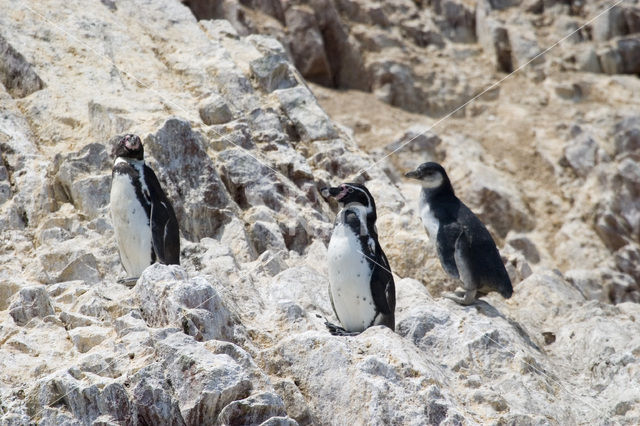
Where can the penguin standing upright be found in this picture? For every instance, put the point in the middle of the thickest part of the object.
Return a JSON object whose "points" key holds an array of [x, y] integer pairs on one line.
{"points": [[465, 247], [143, 219], [361, 286]]}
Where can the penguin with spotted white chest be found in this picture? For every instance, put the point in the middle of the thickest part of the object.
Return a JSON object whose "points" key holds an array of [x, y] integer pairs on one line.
{"points": [[361, 286], [143, 218], [465, 247]]}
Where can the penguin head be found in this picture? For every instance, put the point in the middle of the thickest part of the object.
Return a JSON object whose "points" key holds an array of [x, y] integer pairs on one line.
{"points": [[129, 146], [352, 194], [431, 175]]}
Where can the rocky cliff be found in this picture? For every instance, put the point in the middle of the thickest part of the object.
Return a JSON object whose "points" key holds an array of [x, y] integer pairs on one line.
{"points": [[243, 119]]}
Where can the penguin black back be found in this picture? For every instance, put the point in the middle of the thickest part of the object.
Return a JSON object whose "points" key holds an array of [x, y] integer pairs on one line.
{"points": [[465, 247]]}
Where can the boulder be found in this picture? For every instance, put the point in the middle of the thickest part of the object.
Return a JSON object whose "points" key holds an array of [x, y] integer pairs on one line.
{"points": [[189, 178], [18, 76], [30, 302], [214, 110]]}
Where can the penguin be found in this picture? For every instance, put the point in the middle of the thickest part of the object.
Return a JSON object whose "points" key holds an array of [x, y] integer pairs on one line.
{"points": [[143, 218], [465, 248], [361, 286]]}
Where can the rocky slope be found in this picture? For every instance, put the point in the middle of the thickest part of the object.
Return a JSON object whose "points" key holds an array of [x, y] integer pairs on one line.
{"points": [[549, 159]]}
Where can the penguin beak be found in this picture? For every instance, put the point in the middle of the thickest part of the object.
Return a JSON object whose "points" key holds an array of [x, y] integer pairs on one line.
{"points": [[412, 175], [332, 192]]}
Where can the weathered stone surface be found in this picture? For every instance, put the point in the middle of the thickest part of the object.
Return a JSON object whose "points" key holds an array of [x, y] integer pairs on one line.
{"points": [[235, 334], [31, 302], [16, 73], [580, 154], [191, 180], [307, 44], [168, 298], [214, 110], [85, 338], [255, 409], [310, 121]]}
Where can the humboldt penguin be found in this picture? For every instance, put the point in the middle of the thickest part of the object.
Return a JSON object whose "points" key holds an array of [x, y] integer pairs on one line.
{"points": [[465, 248], [361, 286], [143, 218]]}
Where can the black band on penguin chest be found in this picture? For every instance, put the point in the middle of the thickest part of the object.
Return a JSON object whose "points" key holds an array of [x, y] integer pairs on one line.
{"points": [[128, 170]]}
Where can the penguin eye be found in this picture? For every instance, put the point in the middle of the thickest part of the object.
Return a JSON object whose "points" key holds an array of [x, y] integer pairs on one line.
{"points": [[350, 190]]}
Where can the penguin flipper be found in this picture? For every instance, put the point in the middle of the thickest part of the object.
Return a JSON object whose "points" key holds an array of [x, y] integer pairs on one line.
{"points": [[383, 288], [448, 235], [164, 224], [165, 236]]}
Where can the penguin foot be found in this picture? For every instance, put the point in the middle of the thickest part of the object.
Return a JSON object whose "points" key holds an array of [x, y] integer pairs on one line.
{"points": [[336, 330], [129, 281], [464, 298]]}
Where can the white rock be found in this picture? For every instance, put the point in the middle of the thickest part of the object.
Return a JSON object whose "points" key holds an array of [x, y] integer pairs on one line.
{"points": [[30, 302]]}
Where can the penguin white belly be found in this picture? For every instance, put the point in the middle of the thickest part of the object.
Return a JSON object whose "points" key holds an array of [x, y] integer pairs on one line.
{"points": [[131, 226], [429, 221], [349, 279]]}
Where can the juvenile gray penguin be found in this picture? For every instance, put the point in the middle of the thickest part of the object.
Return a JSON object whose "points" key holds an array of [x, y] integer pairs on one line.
{"points": [[143, 219], [361, 286], [465, 247]]}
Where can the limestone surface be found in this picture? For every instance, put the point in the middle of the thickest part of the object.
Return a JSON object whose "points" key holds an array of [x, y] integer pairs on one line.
{"points": [[238, 108]]}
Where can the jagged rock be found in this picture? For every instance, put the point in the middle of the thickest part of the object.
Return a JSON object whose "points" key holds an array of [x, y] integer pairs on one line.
{"points": [[627, 259], [421, 34], [152, 397], [306, 44], [616, 21], [493, 37], [249, 180], [60, 394], [273, 72], [190, 179], [108, 119], [610, 60], [214, 110], [459, 24], [627, 136], [7, 289], [310, 121], [31, 302], [580, 154], [72, 320], [167, 297], [66, 264], [255, 409], [16, 74], [294, 401], [525, 246], [495, 202], [588, 282], [587, 60], [629, 50], [267, 235], [204, 382], [426, 405], [85, 338]]}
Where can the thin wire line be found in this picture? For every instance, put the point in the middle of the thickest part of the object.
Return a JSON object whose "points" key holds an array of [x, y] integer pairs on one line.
{"points": [[459, 319], [490, 87]]}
